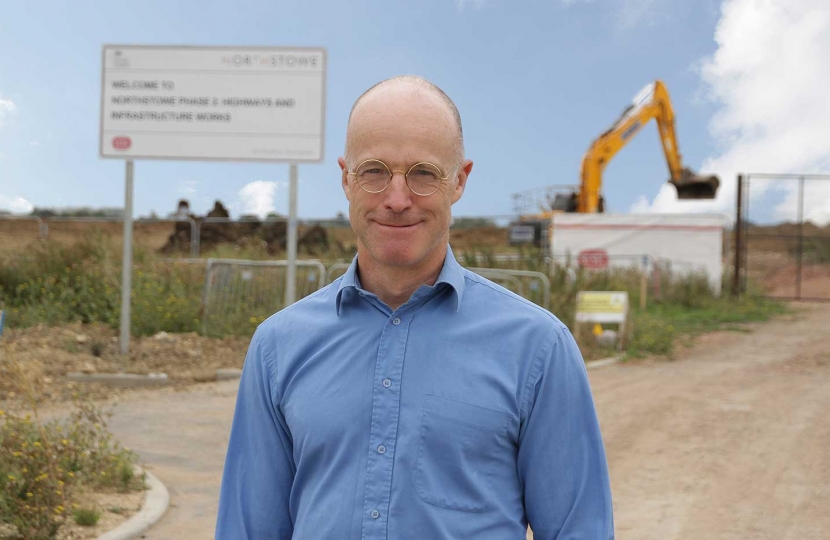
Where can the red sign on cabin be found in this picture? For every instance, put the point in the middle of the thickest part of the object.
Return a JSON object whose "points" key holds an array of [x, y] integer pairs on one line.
{"points": [[593, 259]]}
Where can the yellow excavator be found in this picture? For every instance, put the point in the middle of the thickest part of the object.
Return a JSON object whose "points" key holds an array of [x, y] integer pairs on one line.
{"points": [[652, 102]]}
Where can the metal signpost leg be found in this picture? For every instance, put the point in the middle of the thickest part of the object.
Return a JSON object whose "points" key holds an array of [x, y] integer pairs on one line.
{"points": [[127, 263], [291, 273]]}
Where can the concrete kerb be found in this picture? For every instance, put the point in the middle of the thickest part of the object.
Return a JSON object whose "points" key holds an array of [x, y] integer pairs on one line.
{"points": [[602, 363], [122, 380], [155, 505]]}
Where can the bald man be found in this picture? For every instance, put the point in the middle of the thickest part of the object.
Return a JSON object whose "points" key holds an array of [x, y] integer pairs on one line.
{"points": [[411, 398]]}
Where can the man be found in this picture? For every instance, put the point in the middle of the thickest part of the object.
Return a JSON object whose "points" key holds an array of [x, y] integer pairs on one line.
{"points": [[412, 399]]}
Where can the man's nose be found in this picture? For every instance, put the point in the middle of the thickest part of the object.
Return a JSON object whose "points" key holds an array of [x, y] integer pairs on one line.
{"points": [[398, 196]]}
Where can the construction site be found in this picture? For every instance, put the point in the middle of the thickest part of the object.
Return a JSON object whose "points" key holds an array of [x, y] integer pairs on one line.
{"points": [[699, 312]]}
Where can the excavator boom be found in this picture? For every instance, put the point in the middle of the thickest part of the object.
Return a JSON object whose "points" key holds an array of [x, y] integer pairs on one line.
{"points": [[651, 103]]}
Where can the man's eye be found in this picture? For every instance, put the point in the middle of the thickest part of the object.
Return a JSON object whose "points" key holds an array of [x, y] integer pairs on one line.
{"points": [[425, 173]]}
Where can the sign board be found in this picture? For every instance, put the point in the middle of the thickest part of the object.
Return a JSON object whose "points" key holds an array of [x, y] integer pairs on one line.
{"points": [[593, 259], [602, 307], [213, 103], [521, 233]]}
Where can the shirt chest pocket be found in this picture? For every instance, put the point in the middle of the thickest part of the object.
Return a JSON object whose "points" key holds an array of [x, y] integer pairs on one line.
{"points": [[457, 453]]}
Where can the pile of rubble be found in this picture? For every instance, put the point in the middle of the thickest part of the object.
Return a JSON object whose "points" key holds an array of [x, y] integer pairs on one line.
{"points": [[216, 228]]}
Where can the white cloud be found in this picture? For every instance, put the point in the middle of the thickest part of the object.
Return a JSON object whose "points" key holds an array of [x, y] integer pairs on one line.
{"points": [[34, 144], [769, 74], [187, 187], [16, 205], [257, 198], [6, 108]]}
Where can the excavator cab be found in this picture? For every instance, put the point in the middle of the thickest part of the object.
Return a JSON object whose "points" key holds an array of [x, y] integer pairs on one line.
{"points": [[694, 186]]}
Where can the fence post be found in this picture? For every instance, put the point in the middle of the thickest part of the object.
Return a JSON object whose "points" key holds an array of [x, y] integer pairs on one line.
{"points": [[800, 259], [736, 276], [194, 238]]}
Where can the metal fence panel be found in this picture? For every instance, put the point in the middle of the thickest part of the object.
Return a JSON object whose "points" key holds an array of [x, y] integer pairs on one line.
{"points": [[535, 286], [782, 236], [240, 294]]}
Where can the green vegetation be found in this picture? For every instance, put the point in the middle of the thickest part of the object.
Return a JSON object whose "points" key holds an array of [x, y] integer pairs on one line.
{"points": [[60, 284], [86, 517], [45, 467]]}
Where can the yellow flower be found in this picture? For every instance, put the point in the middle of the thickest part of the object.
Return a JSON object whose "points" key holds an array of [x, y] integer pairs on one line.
{"points": [[37, 443], [11, 477], [60, 483], [58, 492], [25, 469], [71, 474], [1, 412], [30, 494], [17, 454], [103, 473], [65, 441]]}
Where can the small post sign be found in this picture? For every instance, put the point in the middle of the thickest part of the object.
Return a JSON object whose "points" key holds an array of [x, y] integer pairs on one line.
{"points": [[603, 307]]}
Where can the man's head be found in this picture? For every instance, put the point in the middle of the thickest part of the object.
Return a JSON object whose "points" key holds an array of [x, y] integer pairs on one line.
{"points": [[401, 122]]}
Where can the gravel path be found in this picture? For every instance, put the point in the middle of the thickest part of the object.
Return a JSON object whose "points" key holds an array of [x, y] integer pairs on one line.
{"points": [[730, 441]]}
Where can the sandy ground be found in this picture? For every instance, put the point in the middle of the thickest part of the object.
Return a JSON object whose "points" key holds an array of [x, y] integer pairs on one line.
{"points": [[729, 441]]}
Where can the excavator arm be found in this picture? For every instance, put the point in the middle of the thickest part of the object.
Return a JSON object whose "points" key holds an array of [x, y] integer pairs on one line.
{"points": [[652, 102]]}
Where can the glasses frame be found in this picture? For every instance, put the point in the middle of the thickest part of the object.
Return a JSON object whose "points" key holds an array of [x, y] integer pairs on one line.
{"points": [[405, 176]]}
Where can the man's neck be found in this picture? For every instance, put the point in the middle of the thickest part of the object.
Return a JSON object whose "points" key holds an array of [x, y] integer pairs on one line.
{"points": [[394, 285]]}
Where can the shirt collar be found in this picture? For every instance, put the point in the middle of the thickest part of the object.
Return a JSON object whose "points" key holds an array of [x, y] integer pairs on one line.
{"points": [[451, 273]]}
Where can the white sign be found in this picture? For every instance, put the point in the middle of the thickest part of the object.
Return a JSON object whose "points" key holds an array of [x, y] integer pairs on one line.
{"points": [[243, 104]]}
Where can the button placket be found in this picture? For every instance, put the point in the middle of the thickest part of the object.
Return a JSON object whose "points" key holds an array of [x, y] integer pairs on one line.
{"points": [[385, 417]]}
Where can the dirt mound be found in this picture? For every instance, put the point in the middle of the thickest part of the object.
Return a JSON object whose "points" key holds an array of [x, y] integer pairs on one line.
{"points": [[216, 229]]}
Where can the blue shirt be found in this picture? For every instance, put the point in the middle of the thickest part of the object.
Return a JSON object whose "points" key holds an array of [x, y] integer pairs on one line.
{"points": [[462, 415]]}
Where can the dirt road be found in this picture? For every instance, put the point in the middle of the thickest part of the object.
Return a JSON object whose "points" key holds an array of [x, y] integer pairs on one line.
{"points": [[730, 441]]}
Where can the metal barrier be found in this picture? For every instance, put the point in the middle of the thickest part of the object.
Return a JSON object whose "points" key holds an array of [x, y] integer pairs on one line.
{"points": [[336, 267], [241, 293], [538, 284], [781, 237], [43, 229]]}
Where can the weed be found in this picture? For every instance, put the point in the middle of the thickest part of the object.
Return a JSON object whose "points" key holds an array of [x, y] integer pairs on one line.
{"points": [[43, 464], [97, 347], [86, 517]]}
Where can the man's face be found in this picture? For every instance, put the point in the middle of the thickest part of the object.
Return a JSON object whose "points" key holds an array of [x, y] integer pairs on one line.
{"points": [[402, 126]]}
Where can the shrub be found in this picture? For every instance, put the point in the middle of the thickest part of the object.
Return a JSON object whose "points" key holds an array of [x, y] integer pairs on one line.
{"points": [[86, 517], [43, 464]]}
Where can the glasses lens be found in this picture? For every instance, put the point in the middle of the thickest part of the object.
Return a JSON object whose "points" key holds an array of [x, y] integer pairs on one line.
{"points": [[373, 176], [424, 178]]}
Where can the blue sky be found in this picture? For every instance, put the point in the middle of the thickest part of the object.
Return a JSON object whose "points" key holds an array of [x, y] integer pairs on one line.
{"points": [[535, 82]]}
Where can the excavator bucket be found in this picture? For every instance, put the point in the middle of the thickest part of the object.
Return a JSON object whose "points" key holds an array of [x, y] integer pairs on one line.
{"points": [[694, 186]]}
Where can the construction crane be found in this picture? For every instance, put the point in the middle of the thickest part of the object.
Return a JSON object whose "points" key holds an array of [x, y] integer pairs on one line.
{"points": [[652, 102]]}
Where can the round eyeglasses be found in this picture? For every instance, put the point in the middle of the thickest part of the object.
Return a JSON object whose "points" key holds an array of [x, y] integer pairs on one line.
{"points": [[374, 176]]}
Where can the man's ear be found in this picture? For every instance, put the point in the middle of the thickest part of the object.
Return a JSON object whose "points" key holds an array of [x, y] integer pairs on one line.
{"points": [[344, 180], [461, 179]]}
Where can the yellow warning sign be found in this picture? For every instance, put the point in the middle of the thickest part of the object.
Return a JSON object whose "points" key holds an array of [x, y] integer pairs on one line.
{"points": [[602, 302]]}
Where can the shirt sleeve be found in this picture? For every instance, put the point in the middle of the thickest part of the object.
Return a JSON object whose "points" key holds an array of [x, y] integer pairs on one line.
{"points": [[259, 467], [561, 461]]}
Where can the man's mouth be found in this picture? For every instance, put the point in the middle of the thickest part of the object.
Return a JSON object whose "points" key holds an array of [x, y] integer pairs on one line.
{"points": [[402, 226]]}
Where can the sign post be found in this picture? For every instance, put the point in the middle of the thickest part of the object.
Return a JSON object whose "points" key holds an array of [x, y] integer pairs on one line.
{"points": [[127, 262], [211, 103], [291, 247]]}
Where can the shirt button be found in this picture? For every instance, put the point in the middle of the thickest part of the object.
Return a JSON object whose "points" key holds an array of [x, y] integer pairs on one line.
{"points": [[381, 449], [387, 383], [396, 321], [375, 514]]}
